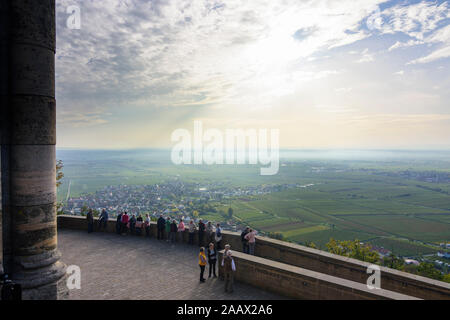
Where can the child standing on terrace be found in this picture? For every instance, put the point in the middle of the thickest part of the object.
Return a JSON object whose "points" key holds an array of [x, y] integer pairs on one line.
{"points": [[202, 263]]}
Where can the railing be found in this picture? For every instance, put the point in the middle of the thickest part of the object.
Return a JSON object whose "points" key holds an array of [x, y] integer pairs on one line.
{"points": [[321, 262]]}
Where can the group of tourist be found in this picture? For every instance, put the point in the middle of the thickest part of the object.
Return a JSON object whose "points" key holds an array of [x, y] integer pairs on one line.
{"points": [[168, 229], [131, 224], [227, 263], [248, 238]]}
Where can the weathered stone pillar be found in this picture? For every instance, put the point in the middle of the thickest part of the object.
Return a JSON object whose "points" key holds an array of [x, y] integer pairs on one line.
{"points": [[4, 141], [31, 155]]}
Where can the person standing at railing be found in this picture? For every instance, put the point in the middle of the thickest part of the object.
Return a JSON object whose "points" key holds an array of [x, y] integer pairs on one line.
{"points": [[173, 231], [125, 220], [161, 225], [229, 268], [244, 241], [147, 225], [201, 232], [251, 238], [90, 221], [132, 224], [192, 228], [181, 229], [103, 221], [119, 223], [218, 236], [139, 225], [168, 224], [210, 231]]}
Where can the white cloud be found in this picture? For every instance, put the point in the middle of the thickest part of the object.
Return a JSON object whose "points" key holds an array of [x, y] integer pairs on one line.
{"points": [[415, 20], [366, 56], [196, 52], [435, 55], [409, 43]]}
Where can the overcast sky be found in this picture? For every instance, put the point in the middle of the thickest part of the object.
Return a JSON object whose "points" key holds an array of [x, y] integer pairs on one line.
{"points": [[328, 74]]}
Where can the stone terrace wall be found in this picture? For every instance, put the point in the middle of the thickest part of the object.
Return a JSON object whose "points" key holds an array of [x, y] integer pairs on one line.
{"points": [[313, 259], [299, 283]]}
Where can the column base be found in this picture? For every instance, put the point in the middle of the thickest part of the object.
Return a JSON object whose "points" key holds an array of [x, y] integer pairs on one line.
{"points": [[43, 276]]}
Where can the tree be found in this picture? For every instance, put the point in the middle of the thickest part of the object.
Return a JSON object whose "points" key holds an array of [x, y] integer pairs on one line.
{"points": [[230, 212], [394, 262], [276, 235], [59, 172], [446, 278], [311, 244], [59, 176], [353, 249], [428, 270]]}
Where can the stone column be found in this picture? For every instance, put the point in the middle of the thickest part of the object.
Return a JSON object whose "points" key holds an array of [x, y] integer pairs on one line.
{"points": [[4, 141], [32, 165]]}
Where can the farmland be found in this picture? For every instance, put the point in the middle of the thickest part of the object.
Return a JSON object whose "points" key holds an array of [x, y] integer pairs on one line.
{"points": [[381, 200]]}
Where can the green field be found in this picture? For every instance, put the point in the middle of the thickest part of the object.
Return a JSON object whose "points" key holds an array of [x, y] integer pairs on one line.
{"points": [[347, 201]]}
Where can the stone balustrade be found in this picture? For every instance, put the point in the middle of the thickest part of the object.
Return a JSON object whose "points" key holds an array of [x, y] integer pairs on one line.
{"points": [[306, 260]]}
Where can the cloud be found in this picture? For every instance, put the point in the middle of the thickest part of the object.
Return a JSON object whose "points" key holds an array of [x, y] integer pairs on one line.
{"points": [[136, 61], [409, 43], [423, 23], [366, 56], [414, 20], [435, 55], [153, 53]]}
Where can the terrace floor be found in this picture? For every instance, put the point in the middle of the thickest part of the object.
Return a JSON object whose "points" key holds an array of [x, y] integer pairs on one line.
{"points": [[115, 267]]}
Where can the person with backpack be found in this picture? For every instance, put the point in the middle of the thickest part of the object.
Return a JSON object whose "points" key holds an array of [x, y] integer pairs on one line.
{"points": [[244, 241], [218, 237], [161, 225], [202, 263]]}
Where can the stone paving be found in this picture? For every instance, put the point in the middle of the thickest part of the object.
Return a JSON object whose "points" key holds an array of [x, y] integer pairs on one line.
{"points": [[115, 267]]}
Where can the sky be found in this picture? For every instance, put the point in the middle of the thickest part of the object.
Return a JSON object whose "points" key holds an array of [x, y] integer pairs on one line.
{"points": [[369, 74]]}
